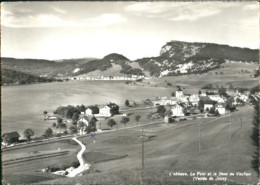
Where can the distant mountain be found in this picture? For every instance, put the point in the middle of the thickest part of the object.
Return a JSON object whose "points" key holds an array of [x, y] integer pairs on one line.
{"points": [[175, 58], [16, 77], [107, 62], [183, 50], [178, 57], [42, 67]]}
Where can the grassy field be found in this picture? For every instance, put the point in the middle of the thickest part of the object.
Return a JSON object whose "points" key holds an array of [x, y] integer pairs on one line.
{"points": [[29, 171], [175, 150], [232, 74]]}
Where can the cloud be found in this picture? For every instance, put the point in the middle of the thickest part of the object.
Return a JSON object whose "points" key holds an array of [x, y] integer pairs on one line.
{"points": [[194, 15], [104, 20], [58, 10], [50, 20], [178, 11]]}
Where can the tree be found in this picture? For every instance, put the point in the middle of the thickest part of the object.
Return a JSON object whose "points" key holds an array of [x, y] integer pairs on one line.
{"points": [[173, 94], [54, 124], [222, 92], [81, 125], [199, 92], [48, 133], [127, 103], [255, 134], [111, 122], [73, 129], [75, 116], [216, 113], [201, 105], [212, 110], [28, 133], [45, 113], [59, 120], [114, 108], [125, 120], [137, 118], [161, 110], [149, 117]]}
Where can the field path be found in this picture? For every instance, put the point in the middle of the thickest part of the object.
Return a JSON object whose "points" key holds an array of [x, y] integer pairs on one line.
{"points": [[83, 166]]}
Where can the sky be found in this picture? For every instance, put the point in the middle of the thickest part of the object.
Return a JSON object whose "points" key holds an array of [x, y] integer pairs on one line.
{"points": [[63, 30]]}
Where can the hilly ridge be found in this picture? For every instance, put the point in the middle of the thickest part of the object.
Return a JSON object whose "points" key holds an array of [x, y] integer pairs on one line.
{"points": [[175, 58]]}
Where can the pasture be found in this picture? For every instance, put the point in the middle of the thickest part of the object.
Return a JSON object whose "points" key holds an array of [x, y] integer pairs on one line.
{"points": [[224, 148], [229, 73]]}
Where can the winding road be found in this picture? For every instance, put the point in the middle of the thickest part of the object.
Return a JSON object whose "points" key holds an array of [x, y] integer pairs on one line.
{"points": [[83, 166]]}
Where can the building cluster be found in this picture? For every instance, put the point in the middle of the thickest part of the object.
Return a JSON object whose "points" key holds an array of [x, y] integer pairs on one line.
{"points": [[89, 117], [184, 104], [116, 78]]}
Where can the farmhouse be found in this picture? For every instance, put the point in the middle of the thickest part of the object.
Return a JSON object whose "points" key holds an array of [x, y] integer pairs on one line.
{"points": [[177, 110], [216, 98], [208, 106], [221, 108], [11, 137], [88, 121], [179, 93], [108, 110], [194, 99], [91, 110], [105, 111]]}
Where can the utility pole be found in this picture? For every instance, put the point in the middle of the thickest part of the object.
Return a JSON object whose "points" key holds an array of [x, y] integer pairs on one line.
{"points": [[241, 120], [230, 120], [199, 133], [142, 148]]}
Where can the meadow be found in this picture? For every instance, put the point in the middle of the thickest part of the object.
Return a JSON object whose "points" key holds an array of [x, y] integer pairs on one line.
{"points": [[173, 148]]}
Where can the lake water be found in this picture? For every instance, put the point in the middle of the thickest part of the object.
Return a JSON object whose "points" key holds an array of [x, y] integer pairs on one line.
{"points": [[23, 106]]}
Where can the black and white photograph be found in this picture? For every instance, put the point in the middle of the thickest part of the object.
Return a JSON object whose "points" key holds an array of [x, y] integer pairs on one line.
{"points": [[130, 92]]}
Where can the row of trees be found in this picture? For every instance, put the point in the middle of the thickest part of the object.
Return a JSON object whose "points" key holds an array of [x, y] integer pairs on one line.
{"points": [[124, 120], [28, 133], [17, 77], [255, 134]]}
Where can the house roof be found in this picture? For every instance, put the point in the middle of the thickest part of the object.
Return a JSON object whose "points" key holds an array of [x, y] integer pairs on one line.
{"points": [[222, 104], [178, 104], [112, 105], [11, 135], [88, 118]]}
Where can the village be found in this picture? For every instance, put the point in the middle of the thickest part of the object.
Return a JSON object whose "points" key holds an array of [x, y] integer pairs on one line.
{"points": [[82, 120], [101, 78]]}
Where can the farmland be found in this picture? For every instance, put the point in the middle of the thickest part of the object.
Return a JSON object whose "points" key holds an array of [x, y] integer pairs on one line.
{"points": [[172, 148]]}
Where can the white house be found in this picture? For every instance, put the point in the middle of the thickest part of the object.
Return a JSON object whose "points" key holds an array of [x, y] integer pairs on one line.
{"points": [[194, 99], [179, 93], [208, 106], [105, 111], [86, 120], [88, 112], [221, 108], [217, 98], [177, 110]]}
